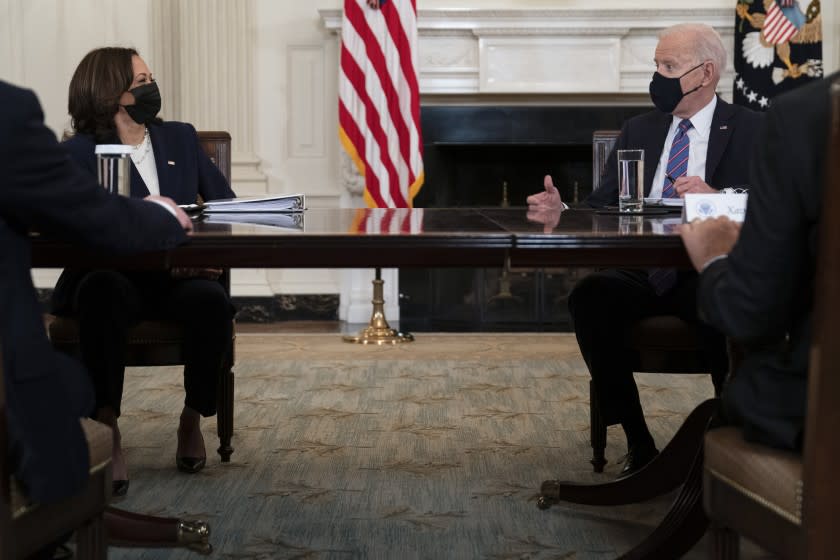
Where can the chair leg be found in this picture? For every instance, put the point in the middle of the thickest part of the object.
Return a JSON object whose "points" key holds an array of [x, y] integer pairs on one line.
{"points": [[129, 529], [91, 539], [664, 473], [683, 526], [224, 415], [725, 543], [598, 433]]}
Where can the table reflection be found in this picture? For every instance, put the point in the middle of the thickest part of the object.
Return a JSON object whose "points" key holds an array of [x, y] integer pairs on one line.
{"points": [[419, 222]]}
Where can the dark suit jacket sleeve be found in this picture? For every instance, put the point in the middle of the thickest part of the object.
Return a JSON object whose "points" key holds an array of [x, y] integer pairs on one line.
{"points": [[82, 151], [43, 189], [751, 295], [762, 295], [212, 185]]}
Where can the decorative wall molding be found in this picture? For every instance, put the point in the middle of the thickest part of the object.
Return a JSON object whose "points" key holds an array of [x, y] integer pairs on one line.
{"points": [[562, 63], [215, 36], [562, 51], [307, 83], [13, 48]]}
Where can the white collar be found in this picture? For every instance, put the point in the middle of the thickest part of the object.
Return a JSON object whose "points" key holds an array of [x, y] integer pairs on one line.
{"points": [[701, 121]]}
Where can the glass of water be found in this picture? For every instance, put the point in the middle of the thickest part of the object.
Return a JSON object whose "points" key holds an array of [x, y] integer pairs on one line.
{"points": [[631, 180], [112, 168]]}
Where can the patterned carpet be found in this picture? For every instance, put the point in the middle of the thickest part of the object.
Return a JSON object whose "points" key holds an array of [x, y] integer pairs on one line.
{"points": [[433, 449]]}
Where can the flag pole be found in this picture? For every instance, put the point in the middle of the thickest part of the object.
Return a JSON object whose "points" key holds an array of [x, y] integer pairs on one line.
{"points": [[378, 330]]}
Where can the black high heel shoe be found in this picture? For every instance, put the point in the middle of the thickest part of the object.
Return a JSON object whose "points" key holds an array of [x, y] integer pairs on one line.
{"points": [[190, 465]]}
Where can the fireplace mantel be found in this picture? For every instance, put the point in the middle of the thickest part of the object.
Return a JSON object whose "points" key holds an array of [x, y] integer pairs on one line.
{"points": [[563, 51]]}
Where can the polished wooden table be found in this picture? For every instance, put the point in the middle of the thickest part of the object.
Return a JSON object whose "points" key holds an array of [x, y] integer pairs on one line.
{"points": [[439, 237], [446, 237]]}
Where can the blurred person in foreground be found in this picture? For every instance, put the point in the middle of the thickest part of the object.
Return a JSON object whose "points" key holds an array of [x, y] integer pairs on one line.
{"points": [[46, 392], [757, 279]]}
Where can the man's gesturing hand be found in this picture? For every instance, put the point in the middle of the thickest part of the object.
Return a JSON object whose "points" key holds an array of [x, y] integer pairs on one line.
{"points": [[548, 199]]}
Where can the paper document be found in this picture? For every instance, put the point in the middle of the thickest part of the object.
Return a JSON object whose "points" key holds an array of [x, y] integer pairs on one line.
{"points": [[285, 203], [665, 201]]}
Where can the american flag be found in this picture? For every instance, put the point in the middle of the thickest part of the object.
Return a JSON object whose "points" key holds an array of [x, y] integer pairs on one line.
{"points": [[379, 99], [777, 27]]}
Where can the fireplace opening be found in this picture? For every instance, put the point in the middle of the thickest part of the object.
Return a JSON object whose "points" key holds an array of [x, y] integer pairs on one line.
{"points": [[479, 156], [473, 175]]}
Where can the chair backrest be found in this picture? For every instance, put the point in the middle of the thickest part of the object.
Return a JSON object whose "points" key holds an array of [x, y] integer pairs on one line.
{"points": [[821, 455], [216, 144], [603, 142]]}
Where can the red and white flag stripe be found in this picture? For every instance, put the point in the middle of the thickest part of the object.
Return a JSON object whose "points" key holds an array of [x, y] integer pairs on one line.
{"points": [[379, 100], [777, 27], [397, 221]]}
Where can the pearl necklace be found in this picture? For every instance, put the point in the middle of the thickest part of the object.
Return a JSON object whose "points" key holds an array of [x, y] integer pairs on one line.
{"points": [[141, 150]]}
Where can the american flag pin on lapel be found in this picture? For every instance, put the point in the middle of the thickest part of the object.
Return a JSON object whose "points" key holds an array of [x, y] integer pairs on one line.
{"points": [[170, 162]]}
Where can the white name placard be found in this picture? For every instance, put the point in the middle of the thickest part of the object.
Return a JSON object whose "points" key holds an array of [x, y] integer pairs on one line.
{"points": [[703, 206]]}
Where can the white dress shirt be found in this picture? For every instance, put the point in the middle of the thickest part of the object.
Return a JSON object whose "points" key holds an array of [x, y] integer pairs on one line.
{"points": [[698, 145], [143, 157]]}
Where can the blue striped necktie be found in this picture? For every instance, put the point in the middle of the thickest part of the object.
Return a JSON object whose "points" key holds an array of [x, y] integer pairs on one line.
{"points": [[663, 279], [677, 159]]}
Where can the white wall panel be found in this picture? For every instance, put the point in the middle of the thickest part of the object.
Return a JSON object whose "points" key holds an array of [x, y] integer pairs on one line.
{"points": [[307, 102]]}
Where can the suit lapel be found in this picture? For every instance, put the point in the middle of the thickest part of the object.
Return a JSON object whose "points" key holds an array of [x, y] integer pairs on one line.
{"points": [[719, 134], [655, 142], [159, 148], [138, 187]]}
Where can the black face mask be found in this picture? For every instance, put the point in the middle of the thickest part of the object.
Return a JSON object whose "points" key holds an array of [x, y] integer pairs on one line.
{"points": [[146, 103], [667, 93]]}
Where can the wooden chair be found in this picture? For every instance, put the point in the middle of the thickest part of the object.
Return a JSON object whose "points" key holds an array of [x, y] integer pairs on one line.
{"points": [[666, 343], [27, 527], [159, 343], [784, 502]]}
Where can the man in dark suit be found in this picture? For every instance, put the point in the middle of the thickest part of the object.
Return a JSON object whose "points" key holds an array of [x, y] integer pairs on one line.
{"points": [[694, 142], [761, 294], [42, 189]]}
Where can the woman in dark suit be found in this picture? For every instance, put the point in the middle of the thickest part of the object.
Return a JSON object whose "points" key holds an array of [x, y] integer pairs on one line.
{"points": [[115, 100]]}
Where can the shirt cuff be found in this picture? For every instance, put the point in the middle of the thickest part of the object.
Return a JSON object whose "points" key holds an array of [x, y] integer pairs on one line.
{"points": [[711, 261], [166, 206]]}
